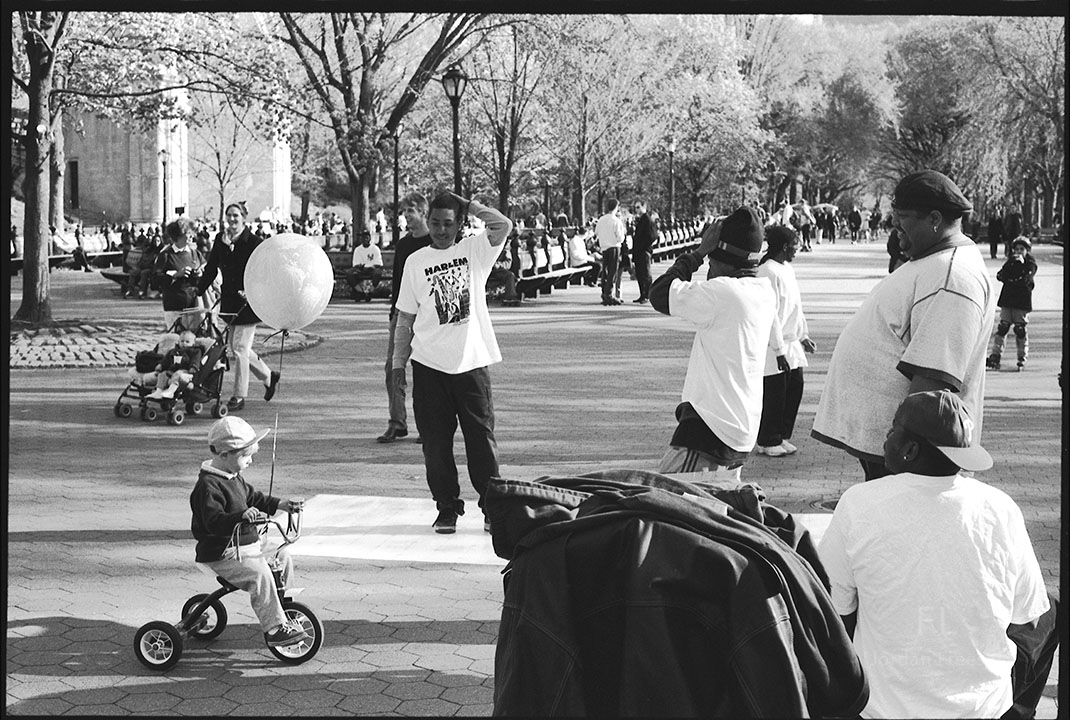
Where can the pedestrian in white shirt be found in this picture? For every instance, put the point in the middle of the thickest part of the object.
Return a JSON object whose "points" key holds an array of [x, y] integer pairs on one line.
{"points": [[783, 389], [609, 232]]}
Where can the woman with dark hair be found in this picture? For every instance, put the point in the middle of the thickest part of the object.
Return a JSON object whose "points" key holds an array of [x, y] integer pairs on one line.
{"points": [[178, 268], [229, 255]]}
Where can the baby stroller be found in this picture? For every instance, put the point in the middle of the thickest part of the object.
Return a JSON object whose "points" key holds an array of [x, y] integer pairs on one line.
{"points": [[190, 398]]}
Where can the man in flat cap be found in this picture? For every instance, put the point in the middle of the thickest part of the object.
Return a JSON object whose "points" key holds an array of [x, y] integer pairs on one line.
{"points": [[935, 576], [923, 327], [735, 319]]}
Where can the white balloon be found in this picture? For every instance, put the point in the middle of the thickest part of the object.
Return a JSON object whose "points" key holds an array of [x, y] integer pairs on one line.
{"points": [[288, 281]]}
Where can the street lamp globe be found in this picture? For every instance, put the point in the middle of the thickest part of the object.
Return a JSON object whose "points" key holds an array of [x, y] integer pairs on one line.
{"points": [[454, 81]]}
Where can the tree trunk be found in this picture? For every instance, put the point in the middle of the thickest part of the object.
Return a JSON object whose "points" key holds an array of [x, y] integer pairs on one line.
{"points": [[36, 307], [58, 171]]}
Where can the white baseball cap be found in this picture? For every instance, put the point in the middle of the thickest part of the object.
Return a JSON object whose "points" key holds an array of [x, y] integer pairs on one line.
{"points": [[232, 433]]}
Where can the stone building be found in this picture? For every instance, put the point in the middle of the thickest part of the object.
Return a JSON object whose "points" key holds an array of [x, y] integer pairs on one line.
{"points": [[115, 174]]}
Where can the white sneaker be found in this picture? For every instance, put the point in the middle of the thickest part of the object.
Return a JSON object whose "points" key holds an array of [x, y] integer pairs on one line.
{"points": [[155, 394], [772, 451], [789, 447]]}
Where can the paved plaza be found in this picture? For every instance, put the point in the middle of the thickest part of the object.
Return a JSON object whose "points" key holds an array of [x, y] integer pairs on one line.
{"points": [[98, 538]]}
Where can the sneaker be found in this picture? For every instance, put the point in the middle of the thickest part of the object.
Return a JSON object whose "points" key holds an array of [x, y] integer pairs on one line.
{"points": [[486, 524], [641, 301], [235, 404], [155, 394], [789, 447], [992, 362], [285, 635], [772, 451], [1021, 365], [446, 522]]}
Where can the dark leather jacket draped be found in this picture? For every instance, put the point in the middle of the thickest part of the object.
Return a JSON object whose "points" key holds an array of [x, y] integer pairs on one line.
{"points": [[631, 593]]}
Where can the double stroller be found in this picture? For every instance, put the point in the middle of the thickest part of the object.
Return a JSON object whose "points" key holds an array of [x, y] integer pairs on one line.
{"points": [[203, 387]]}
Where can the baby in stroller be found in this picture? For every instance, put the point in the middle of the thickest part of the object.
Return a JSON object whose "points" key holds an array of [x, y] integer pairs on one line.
{"points": [[178, 365], [185, 366]]}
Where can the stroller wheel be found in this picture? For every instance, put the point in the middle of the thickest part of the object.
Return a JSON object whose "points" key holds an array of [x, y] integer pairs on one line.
{"points": [[123, 410], [194, 408], [176, 417], [219, 410], [149, 414]]}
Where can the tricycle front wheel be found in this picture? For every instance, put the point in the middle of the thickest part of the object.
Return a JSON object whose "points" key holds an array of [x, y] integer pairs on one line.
{"points": [[300, 614]]}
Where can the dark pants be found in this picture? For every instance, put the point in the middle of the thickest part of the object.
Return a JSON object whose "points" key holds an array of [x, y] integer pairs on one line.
{"points": [[1036, 650], [780, 406], [641, 262], [439, 402], [611, 271]]}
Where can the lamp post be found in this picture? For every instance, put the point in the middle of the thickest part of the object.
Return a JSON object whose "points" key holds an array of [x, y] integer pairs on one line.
{"points": [[453, 82], [672, 180], [163, 160], [397, 228]]}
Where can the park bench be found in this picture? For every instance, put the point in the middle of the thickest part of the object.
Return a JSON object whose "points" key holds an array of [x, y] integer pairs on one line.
{"points": [[104, 259], [676, 241]]}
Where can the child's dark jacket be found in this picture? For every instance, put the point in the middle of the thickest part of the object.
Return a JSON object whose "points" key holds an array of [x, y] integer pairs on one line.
{"points": [[1017, 279], [218, 501]]}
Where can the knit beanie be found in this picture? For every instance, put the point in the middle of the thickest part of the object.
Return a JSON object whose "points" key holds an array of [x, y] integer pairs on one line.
{"points": [[740, 242]]}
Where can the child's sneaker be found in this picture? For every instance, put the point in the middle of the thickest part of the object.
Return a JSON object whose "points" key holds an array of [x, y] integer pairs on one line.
{"points": [[992, 362], [1021, 365], [285, 635]]}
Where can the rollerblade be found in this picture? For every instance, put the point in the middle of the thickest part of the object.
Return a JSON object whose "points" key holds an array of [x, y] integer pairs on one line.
{"points": [[992, 362]]}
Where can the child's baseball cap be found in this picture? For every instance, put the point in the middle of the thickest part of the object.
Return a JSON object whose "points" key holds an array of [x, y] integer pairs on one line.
{"points": [[232, 433], [941, 418]]}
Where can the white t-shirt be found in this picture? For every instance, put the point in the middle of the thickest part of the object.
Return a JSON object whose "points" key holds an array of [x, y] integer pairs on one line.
{"points": [[734, 319], [934, 313], [445, 290], [370, 256], [609, 231], [937, 568], [790, 314], [577, 251]]}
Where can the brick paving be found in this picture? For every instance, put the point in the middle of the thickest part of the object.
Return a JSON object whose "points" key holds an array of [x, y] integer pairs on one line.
{"points": [[98, 539]]}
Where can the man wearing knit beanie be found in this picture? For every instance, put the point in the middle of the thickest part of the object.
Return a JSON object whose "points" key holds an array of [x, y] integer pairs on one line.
{"points": [[734, 315]]}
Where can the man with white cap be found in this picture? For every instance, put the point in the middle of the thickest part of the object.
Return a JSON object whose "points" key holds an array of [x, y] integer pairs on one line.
{"points": [[221, 500], [935, 577]]}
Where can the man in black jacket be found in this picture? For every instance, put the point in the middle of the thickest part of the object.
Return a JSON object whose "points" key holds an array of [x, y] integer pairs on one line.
{"points": [[644, 236]]}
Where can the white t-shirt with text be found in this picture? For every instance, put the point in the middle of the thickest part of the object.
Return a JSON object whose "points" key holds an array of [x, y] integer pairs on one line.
{"points": [[446, 291]]}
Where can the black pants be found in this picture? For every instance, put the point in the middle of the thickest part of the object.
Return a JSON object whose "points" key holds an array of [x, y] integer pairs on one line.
{"points": [[780, 406], [641, 262], [439, 402], [611, 271], [1036, 650]]}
